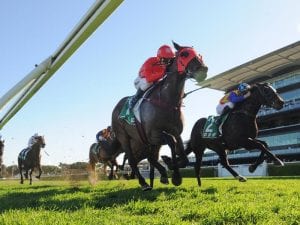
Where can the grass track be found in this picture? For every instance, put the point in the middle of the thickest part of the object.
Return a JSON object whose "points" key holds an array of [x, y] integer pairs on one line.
{"points": [[218, 201]]}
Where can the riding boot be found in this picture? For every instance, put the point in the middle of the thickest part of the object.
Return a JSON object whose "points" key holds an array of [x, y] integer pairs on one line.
{"points": [[133, 100]]}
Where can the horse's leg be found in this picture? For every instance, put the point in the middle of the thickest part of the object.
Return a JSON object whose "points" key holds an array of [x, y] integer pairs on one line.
{"points": [[132, 175], [161, 169], [104, 168], [135, 170], [171, 141], [30, 176], [21, 172], [199, 154], [40, 172], [224, 161], [257, 144], [151, 175], [111, 173], [183, 159], [117, 168], [258, 161]]}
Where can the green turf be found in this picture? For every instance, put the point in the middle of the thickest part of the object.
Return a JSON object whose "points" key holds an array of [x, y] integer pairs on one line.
{"points": [[218, 201]]}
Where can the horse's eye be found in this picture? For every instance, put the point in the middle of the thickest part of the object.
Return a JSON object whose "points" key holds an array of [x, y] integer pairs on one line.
{"points": [[184, 54]]}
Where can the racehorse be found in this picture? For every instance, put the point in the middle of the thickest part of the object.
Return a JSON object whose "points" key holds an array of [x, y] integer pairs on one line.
{"points": [[30, 158], [106, 153], [160, 118], [238, 131], [1, 152]]}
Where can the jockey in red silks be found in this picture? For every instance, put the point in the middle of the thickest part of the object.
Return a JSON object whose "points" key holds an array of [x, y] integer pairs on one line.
{"points": [[228, 101], [151, 71]]}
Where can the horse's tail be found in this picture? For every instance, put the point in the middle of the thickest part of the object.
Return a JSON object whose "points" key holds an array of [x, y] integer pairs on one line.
{"points": [[198, 128], [188, 148], [91, 167], [198, 143]]}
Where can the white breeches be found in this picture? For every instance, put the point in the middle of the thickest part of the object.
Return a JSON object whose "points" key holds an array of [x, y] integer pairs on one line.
{"points": [[141, 83], [220, 107], [101, 138]]}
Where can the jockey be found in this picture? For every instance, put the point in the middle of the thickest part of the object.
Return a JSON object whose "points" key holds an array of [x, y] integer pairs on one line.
{"points": [[32, 140], [103, 135], [228, 101], [153, 69]]}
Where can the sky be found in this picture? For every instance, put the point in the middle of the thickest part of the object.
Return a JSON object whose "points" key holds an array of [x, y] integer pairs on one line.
{"points": [[79, 98]]}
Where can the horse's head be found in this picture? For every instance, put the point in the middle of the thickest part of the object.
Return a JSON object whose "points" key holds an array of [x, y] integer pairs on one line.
{"points": [[40, 140], [268, 96], [189, 63]]}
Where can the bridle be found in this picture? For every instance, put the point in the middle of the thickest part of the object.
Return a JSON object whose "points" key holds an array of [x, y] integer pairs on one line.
{"points": [[266, 96]]}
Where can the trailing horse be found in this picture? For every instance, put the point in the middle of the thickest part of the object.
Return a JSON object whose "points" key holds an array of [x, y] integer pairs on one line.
{"points": [[161, 119], [30, 158], [238, 131], [1, 152], [105, 152]]}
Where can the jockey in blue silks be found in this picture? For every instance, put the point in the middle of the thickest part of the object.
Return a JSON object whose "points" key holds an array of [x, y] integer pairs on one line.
{"points": [[231, 98]]}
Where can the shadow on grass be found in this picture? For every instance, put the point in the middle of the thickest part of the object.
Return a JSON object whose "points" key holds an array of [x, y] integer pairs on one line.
{"points": [[210, 190], [75, 198]]}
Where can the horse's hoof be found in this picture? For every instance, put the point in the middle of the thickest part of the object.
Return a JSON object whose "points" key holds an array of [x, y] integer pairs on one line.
{"points": [[176, 179], [38, 177], [251, 168], [146, 187], [278, 162], [241, 178], [164, 180]]}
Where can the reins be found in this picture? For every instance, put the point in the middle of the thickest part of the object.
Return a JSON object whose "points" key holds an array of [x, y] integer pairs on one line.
{"points": [[197, 89]]}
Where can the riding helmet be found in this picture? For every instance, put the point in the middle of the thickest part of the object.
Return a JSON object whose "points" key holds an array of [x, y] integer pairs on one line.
{"points": [[165, 51]]}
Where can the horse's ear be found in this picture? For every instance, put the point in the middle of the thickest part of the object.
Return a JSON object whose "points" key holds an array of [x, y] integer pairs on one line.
{"points": [[176, 46]]}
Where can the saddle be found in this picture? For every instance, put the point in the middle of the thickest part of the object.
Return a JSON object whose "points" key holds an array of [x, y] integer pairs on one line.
{"points": [[126, 114], [131, 116], [213, 125]]}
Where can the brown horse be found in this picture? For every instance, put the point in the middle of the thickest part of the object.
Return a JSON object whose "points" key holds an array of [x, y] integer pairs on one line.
{"points": [[161, 118], [30, 158], [238, 131], [104, 152], [1, 152]]}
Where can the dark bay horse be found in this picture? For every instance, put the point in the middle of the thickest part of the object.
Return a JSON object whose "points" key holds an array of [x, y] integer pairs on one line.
{"points": [[105, 152], [30, 158], [238, 131], [1, 152], [160, 118]]}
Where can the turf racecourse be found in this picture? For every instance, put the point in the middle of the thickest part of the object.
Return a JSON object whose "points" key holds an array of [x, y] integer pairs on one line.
{"points": [[218, 201]]}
